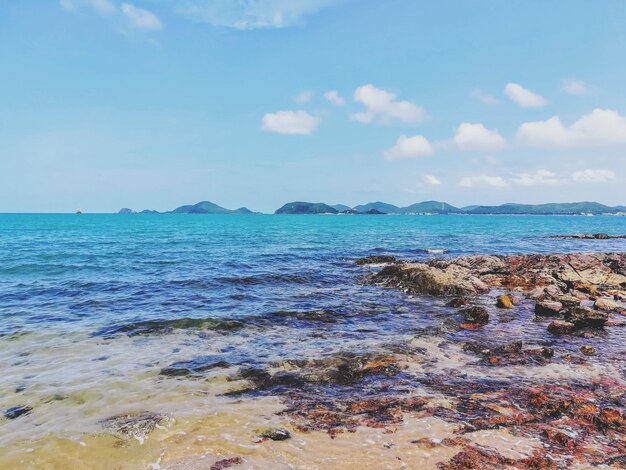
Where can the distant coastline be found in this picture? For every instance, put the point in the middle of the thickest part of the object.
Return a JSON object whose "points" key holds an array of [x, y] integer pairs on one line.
{"points": [[420, 208]]}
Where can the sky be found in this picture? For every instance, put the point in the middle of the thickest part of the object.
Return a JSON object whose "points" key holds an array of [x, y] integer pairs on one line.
{"points": [[153, 104]]}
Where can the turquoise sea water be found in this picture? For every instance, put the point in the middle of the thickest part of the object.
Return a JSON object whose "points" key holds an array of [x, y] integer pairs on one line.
{"points": [[88, 271], [93, 308]]}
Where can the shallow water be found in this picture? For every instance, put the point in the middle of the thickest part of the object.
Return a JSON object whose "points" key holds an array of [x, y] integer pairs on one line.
{"points": [[109, 314]]}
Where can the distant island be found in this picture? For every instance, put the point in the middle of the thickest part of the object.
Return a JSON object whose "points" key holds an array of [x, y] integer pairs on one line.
{"points": [[419, 208], [204, 207], [438, 207]]}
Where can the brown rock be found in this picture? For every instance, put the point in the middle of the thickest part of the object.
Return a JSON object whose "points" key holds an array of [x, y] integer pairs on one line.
{"points": [[587, 350], [457, 302], [560, 327], [569, 301], [504, 301], [607, 305], [583, 316], [476, 314], [548, 308]]}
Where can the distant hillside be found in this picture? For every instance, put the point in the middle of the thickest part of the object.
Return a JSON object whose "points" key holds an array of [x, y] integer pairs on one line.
{"points": [[299, 207], [570, 208], [206, 207], [341, 207], [379, 206], [430, 207]]}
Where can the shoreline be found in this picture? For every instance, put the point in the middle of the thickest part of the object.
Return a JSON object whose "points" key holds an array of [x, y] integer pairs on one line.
{"points": [[488, 385]]}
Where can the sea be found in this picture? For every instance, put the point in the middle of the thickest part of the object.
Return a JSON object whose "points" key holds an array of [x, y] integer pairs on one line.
{"points": [[95, 307]]}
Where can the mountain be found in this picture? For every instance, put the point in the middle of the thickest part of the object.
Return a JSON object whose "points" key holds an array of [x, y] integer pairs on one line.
{"points": [[299, 207], [379, 206], [569, 208], [126, 210], [206, 207], [431, 207], [341, 207]]}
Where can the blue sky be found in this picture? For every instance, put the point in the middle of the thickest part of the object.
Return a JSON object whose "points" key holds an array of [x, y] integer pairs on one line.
{"points": [[153, 104]]}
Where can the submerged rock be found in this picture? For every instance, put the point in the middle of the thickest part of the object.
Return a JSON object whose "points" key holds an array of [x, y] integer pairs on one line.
{"points": [[226, 463], [376, 259], [155, 327], [457, 302], [587, 350], [275, 434], [561, 327], [17, 411], [476, 314], [132, 425]]}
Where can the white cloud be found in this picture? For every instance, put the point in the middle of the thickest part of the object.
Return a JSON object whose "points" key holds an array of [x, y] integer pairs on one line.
{"points": [[335, 98], [381, 106], [600, 127], [140, 18], [534, 179], [574, 87], [290, 122], [477, 138], [431, 180], [409, 147], [593, 176], [251, 14], [483, 180], [303, 97], [478, 94], [103, 7], [524, 97]]}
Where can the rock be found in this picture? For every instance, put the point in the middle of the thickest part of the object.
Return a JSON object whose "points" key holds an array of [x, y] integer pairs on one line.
{"points": [[226, 463], [376, 259], [560, 327], [419, 278], [607, 305], [17, 411], [585, 287], [476, 314], [504, 301], [587, 350], [132, 425], [457, 302], [583, 316], [569, 301], [548, 308], [547, 352], [275, 434]]}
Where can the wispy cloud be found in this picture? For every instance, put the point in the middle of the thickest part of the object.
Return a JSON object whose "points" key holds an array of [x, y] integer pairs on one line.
{"points": [[431, 180], [290, 122], [103, 7], [537, 178], [140, 18], [593, 176], [574, 87], [334, 97], [524, 97], [303, 97], [251, 14], [480, 95], [382, 106], [483, 180]]}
